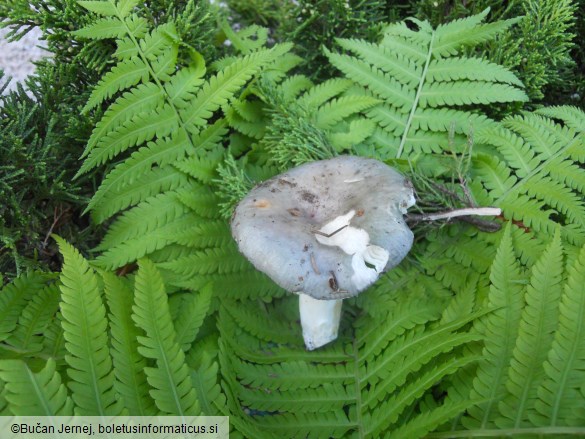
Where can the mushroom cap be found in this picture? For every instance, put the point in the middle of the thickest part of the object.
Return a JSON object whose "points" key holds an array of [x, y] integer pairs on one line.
{"points": [[280, 226]]}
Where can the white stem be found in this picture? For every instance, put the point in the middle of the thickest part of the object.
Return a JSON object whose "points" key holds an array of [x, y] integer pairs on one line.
{"points": [[481, 211], [319, 320]]}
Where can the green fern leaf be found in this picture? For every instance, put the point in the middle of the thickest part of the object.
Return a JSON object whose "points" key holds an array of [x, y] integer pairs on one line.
{"points": [[417, 76], [191, 316], [428, 421], [34, 319], [357, 131], [14, 297], [143, 98], [221, 87], [500, 329], [159, 42], [209, 393], [541, 168], [207, 233], [321, 93], [395, 406], [381, 84], [467, 93], [565, 367], [201, 199], [400, 67], [162, 152], [126, 6], [133, 249], [154, 212], [476, 69], [54, 342], [129, 365], [535, 335], [122, 76], [102, 29], [182, 86], [211, 260], [574, 117], [338, 109], [453, 36], [106, 9], [34, 394], [142, 127], [294, 85], [85, 324], [172, 389]]}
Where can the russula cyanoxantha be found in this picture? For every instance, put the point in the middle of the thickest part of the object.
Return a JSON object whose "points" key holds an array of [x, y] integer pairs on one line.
{"points": [[326, 230]]}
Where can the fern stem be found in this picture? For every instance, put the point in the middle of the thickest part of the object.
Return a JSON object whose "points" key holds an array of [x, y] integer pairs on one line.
{"points": [[416, 98]]}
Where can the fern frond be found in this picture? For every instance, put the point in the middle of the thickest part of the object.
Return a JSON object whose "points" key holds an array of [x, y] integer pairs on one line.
{"points": [[102, 29], [537, 326], [162, 152], [143, 127], [14, 298], [134, 248], [125, 74], [181, 88], [191, 316], [34, 319], [573, 117], [54, 342], [321, 93], [85, 332], [401, 67], [565, 366], [267, 373], [34, 394], [408, 354], [209, 392], [294, 85], [357, 131], [540, 175], [475, 69], [468, 92], [106, 9], [500, 329], [427, 421], [172, 389], [211, 260], [208, 233], [338, 109], [129, 365], [218, 89], [143, 98], [453, 36], [416, 71], [396, 405], [383, 85]]}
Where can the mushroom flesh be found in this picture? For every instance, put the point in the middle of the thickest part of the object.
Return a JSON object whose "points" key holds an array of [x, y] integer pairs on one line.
{"points": [[326, 230]]}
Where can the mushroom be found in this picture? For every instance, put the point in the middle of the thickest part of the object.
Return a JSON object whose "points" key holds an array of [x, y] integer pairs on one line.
{"points": [[326, 230]]}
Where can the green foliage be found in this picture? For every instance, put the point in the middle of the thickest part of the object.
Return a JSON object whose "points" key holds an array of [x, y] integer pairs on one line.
{"points": [[423, 82], [474, 334], [126, 359], [538, 50], [43, 130], [537, 175], [312, 25]]}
